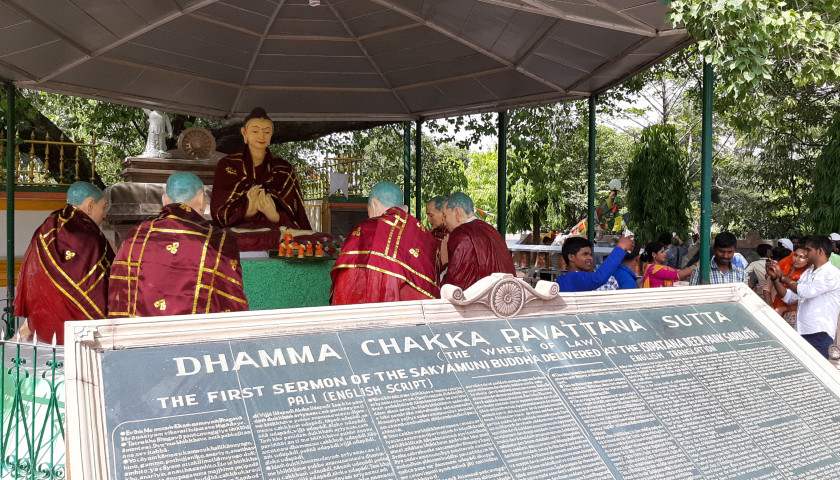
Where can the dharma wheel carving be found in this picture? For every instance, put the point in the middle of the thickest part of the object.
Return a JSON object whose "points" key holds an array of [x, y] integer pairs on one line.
{"points": [[502, 293], [197, 143], [507, 298]]}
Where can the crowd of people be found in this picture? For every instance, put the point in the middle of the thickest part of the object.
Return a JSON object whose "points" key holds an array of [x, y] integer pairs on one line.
{"points": [[179, 262], [799, 277]]}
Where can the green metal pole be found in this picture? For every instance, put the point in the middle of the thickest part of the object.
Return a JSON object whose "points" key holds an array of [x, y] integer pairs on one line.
{"points": [[590, 185], [406, 163], [706, 173], [501, 197], [418, 171], [10, 209]]}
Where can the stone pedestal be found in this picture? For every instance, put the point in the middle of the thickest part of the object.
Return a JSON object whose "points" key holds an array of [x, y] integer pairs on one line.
{"points": [[157, 170]]}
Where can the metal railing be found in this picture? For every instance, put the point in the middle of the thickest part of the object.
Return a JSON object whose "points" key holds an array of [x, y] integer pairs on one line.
{"points": [[48, 162], [315, 179], [32, 416]]}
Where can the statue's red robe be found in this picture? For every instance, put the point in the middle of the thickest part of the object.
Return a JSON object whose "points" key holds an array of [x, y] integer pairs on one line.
{"points": [[385, 259], [64, 274], [175, 264], [476, 250], [236, 174]]}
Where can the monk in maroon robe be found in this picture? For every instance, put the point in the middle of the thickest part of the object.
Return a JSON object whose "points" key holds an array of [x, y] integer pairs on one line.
{"points": [[435, 217], [64, 274], [177, 263], [474, 249], [387, 258], [255, 189]]}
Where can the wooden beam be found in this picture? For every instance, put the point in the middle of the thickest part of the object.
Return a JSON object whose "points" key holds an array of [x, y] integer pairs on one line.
{"points": [[3, 281]]}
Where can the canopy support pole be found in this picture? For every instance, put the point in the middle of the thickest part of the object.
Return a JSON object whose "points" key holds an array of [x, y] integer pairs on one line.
{"points": [[406, 163], [418, 170], [501, 198], [590, 185], [706, 173], [9, 316]]}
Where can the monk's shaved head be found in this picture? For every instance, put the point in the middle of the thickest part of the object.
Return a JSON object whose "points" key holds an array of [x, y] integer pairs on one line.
{"points": [[460, 200], [387, 193], [81, 191], [181, 187]]}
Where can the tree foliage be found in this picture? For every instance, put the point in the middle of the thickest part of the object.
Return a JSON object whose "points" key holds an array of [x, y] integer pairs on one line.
{"points": [[657, 192], [547, 163], [482, 180], [119, 131], [763, 151], [753, 41], [824, 216]]}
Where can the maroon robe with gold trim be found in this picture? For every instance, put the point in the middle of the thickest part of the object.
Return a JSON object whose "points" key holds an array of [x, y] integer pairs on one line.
{"points": [[476, 250], [385, 259], [177, 263], [440, 233], [64, 274], [236, 174]]}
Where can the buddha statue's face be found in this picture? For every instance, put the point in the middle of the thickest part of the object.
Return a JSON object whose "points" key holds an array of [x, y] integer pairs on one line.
{"points": [[257, 133]]}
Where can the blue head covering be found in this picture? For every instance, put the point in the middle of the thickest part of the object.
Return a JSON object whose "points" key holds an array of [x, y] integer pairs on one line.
{"points": [[181, 187], [388, 194], [81, 191], [460, 199]]}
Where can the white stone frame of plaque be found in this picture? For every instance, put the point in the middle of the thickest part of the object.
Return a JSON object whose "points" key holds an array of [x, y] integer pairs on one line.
{"points": [[498, 296]]}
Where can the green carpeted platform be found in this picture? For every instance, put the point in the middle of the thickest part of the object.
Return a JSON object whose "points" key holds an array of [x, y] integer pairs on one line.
{"points": [[272, 283]]}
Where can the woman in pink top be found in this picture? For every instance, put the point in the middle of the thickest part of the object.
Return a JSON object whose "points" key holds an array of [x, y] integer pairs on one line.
{"points": [[658, 274]]}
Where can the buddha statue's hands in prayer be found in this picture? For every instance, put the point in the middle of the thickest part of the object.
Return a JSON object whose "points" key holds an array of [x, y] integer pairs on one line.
{"points": [[266, 205], [253, 200]]}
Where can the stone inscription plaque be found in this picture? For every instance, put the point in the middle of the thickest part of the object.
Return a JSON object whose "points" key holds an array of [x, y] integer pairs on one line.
{"points": [[672, 393]]}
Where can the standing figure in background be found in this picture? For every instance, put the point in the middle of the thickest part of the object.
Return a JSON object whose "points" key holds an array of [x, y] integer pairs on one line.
{"points": [[474, 249], [389, 257], [723, 268], [675, 250], [255, 189], [159, 128], [607, 218], [817, 291], [757, 270], [177, 263], [794, 270], [658, 274], [625, 274], [64, 274], [581, 275], [434, 215]]}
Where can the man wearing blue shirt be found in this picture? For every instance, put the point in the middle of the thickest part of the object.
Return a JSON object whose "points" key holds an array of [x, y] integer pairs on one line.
{"points": [[577, 252], [625, 274]]}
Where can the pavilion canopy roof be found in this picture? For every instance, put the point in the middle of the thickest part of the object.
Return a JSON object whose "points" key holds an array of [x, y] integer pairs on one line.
{"points": [[345, 60]]}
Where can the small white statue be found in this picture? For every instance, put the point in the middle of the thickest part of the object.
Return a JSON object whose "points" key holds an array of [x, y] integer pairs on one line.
{"points": [[159, 128]]}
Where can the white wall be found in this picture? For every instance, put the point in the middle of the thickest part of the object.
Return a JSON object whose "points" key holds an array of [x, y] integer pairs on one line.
{"points": [[26, 221]]}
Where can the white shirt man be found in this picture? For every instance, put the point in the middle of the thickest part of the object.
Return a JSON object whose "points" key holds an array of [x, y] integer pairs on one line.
{"points": [[818, 294]]}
